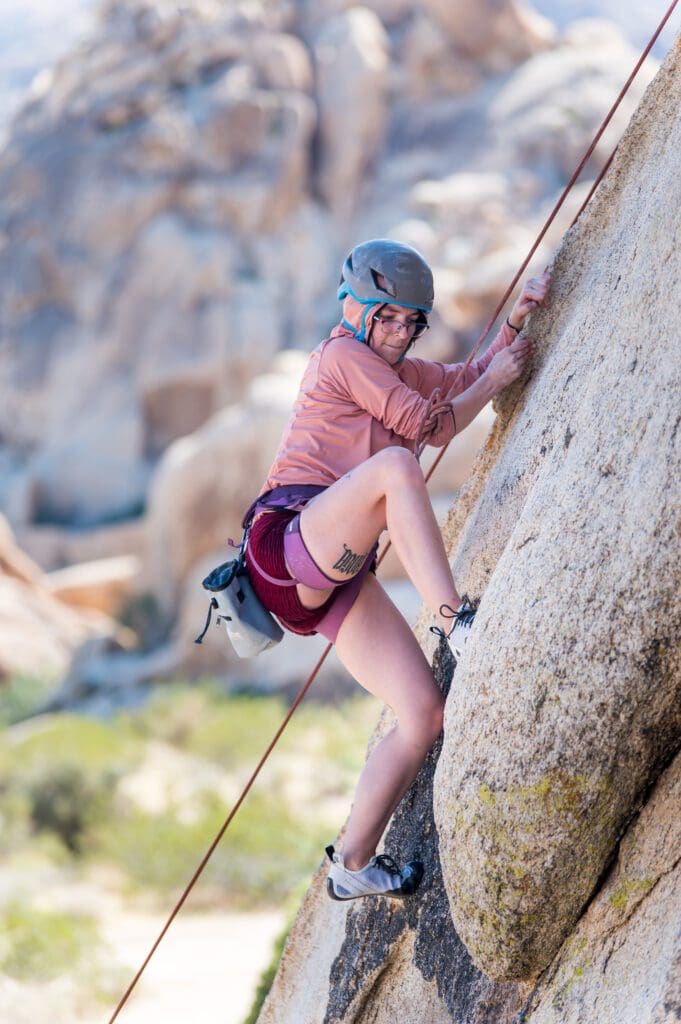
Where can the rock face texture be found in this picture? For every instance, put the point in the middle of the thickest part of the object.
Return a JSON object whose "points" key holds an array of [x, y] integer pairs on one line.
{"points": [[621, 963], [552, 840], [569, 704]]}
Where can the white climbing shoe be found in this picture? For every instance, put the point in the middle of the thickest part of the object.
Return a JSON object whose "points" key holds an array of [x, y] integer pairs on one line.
{"points": [[380, 877], [462, 623]]}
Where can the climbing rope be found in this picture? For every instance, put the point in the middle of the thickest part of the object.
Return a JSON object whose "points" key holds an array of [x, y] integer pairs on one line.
{"points": [[419, 447]]}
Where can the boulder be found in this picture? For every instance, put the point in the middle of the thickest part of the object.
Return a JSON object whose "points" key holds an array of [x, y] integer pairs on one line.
{"points": [[283, 62], [54, 547], [206, 481], [549, 829], [38, 633], [567, 699], [575, 98], [106, 584], [498, 33], [621, 963], [431, 65], [351, 62]]}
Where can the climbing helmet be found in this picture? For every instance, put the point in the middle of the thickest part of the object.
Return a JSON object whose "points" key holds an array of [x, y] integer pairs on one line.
{"points": [[385, 271]]}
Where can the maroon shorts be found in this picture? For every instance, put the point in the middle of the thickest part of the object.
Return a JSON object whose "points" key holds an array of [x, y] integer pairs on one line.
{"points": [[265, 552]]}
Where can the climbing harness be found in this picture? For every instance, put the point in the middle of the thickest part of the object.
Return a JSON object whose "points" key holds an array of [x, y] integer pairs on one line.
{"points": [[306, 686], [251, 628]]}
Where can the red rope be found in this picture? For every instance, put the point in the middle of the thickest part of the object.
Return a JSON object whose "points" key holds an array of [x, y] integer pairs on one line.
{"points": [[551, 218], [232, 813], [322, 659]]}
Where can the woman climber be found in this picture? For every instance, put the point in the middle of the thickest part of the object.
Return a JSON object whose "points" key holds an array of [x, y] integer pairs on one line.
{"points": [[345, 471]]}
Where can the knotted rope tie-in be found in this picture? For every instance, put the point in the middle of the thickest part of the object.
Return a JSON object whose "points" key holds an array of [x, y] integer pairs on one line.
{"points": [[423, 434]]}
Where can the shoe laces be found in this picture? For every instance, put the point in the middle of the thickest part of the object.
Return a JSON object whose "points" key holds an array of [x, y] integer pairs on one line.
{"points": [[383, 860], [462, 616]]}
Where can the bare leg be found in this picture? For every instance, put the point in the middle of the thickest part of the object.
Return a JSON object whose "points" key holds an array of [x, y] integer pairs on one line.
{"points": [[377, 646], [388, 490]]}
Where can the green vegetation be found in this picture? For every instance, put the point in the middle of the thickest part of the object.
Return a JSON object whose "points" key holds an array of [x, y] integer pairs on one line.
{"points": [[58, 774], [42, 944], [630, 889], [21, 697], [78, 790], [141, 797], [267, 976]]}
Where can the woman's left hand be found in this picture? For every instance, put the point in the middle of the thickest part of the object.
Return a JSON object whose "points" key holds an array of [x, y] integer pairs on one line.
{"points": [[533, 294]]}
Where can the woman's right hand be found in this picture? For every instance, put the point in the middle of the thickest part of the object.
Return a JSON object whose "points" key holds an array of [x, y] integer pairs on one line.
{"points": [[508, 365]]}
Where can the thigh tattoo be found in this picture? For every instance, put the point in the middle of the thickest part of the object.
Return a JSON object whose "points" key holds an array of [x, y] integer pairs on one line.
{"points": [[349, 563]]}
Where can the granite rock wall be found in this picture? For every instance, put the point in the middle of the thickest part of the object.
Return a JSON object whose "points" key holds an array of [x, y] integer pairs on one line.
{"points": [[548, 816]]}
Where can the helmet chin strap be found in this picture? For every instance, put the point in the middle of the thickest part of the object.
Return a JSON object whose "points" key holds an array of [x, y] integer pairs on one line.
{"points": [[361, 332]]}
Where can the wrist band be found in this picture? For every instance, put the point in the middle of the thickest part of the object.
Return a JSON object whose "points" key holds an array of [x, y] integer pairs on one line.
{"points": [[516, 329]]}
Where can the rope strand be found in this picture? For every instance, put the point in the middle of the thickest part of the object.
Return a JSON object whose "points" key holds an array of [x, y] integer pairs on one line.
{"points": [[466, 364]]}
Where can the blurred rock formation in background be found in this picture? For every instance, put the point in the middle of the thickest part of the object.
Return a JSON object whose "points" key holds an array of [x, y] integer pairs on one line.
{"points": [[177, 197]]}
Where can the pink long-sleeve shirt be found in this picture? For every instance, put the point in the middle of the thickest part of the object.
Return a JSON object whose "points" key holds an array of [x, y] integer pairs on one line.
{"points": [[353, 404]]}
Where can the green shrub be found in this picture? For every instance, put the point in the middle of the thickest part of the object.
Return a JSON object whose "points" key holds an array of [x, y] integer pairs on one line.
{"points": [[58, 777], [260, 859], [42, 944], [267, 976], [68, 802], [21, 697]]}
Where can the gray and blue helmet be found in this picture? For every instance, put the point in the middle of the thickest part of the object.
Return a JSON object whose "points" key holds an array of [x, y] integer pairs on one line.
{"points": [[384, 271]]}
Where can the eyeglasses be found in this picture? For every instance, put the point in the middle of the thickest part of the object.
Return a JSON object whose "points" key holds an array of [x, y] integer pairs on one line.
{"points": [[412, 328]]}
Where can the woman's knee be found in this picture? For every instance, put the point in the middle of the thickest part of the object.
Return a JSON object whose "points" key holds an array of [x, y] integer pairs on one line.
{"points": [[398, 465], [425, 724], [436, 718]]}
